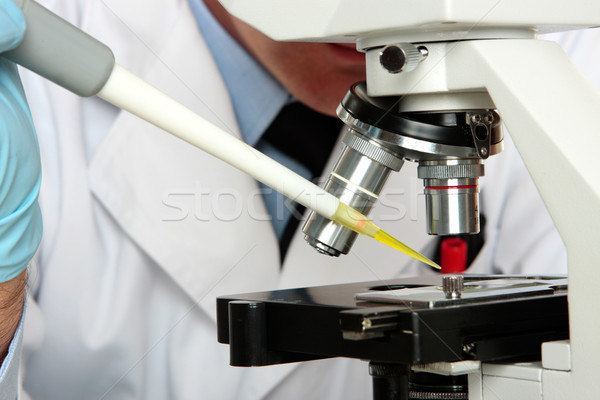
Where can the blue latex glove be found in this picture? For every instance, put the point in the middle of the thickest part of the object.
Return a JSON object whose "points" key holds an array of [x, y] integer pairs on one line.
{"points": [[20, 171]]}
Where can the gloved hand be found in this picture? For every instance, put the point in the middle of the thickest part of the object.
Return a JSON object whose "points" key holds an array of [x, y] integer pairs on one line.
{"points": [[20, 169]]}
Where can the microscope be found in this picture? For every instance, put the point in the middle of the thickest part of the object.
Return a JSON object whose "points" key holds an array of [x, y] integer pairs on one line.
{"points": [[442, 77]]}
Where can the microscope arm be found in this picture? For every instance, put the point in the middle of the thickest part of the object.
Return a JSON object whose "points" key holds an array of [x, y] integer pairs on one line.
{"points": [[552, 113]]}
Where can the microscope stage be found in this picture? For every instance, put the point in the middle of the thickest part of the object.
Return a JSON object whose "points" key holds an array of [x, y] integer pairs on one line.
{"points": [[407, 321]]}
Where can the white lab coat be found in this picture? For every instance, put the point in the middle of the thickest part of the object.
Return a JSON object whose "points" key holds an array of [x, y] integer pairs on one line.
{"points": [[135, 251]]}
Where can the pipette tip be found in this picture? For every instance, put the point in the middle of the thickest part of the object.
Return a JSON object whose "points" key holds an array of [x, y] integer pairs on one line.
{"points": [[356, 221]]}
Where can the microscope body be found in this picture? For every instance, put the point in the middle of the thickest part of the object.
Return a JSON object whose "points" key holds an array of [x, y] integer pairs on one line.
{"points": [[478, 58]]}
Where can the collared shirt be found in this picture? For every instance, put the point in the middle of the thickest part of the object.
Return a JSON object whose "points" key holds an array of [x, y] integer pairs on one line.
{"points": [[256, 96]]}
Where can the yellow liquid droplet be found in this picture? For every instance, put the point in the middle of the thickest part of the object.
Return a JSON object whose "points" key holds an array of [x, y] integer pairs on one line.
{"points": [[352, 219]]}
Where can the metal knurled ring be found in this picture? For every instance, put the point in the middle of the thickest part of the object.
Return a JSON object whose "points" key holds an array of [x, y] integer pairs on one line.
{"points": [[437, 396], [450, 171], [386, 370], [371, 150]]}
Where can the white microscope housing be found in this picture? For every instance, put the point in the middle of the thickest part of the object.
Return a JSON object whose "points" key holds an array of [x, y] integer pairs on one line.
{"points": [[484, 55]]}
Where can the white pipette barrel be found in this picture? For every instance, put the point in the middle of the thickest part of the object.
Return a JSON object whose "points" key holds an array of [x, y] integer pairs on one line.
{"points": [[127, 91]]}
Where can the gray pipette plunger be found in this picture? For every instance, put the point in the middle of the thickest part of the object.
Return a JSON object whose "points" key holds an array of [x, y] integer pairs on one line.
{"points": [[62, 53]]}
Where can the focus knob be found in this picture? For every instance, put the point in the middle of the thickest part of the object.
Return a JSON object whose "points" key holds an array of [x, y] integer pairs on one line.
{"points": [[401, 57]]}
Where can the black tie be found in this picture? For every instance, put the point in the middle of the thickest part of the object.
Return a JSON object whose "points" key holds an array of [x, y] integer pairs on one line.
{"points": [[308, 137]]}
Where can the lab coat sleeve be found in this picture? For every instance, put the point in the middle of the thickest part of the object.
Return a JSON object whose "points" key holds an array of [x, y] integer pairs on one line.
{"points": [[9, 372]]}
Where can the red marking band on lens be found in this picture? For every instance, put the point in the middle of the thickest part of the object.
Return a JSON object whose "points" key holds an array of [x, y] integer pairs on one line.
{"points": [[452, 187]]}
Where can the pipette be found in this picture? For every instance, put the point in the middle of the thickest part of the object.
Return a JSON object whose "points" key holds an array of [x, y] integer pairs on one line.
{"points": [[62, 53]]}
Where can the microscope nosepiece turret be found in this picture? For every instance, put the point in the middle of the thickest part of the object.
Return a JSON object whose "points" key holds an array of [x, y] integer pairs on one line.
{"points": [[449, 146]]}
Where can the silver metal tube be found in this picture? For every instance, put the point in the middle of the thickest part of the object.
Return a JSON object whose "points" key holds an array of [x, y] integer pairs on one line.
{"points": [[452, 195], [357, 180]]}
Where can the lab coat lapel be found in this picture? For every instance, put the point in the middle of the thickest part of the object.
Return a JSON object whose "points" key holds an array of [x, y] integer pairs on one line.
{"points": [[163, 192], [202, 221]]}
